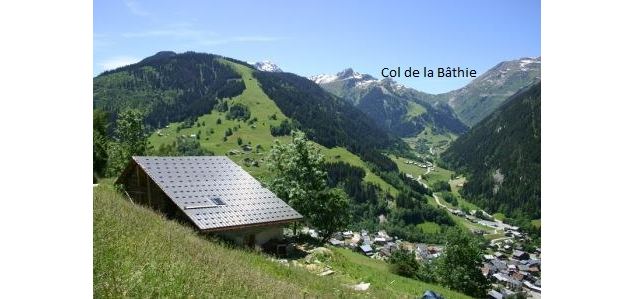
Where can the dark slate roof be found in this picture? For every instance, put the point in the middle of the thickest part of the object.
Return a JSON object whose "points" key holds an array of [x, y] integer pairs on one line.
{"points": [[366, 248], [195, 183], [431, 295], [495, 295]]}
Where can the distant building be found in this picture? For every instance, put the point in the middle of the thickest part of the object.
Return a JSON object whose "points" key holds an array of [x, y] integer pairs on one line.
{"points": [[336, 242], [366, 249], [532, 287], [499, 255], [493, 294], [431, 295], [211, 192], [520, 255], [379, 240]]}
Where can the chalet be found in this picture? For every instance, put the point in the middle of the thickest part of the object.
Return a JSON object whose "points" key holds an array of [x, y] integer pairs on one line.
{"points": [[421, 250], [501, 278], [366, 249], [379, 240], [389, 249], [532, 263], [532, 287], [499, 255], [336, 242], [493, 294], [486, 270], [211, 192], [520, 255]]}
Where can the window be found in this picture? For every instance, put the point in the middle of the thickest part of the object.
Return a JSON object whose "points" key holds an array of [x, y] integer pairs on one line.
{"points": [[218, 201]]}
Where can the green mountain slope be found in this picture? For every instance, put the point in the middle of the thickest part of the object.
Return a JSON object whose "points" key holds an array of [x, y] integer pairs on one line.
{"points": [[139, 253], [478, 99], [171, 87], [167, 87], [501, 155]]}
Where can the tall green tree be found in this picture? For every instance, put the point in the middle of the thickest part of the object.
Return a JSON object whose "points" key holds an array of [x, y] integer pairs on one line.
{"points": [[100, 142], [131, 133], [131, 140], [403, 262], [299, 179], [459, 267]]}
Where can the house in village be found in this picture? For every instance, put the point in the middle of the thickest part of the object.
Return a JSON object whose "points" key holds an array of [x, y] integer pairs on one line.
{"points": [[211, 192], [520, 255], [366, 249]]}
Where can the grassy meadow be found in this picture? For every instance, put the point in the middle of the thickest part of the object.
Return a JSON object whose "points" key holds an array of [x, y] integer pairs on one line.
{"points": [[139, 253]]}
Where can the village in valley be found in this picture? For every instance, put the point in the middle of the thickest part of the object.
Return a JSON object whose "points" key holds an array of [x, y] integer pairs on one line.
{"points": [[509, 268]]}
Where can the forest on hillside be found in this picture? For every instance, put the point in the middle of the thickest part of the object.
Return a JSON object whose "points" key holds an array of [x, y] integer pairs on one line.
{"points": [[328, 120], [501, 157], [167, 87]]}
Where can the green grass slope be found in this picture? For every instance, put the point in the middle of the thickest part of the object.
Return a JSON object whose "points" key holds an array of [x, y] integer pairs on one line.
{"points": [[139, 253]]}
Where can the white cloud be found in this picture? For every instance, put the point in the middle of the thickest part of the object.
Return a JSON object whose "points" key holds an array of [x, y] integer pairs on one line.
{"points": [[184, 32], [135, 8], [118, 61], [175, 33], [239, 39]]}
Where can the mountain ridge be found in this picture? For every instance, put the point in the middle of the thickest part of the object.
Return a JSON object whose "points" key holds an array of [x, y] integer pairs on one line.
{"points": [[399, 109], [470, 103]]}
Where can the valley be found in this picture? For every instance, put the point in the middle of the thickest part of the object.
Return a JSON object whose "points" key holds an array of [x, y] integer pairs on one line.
{"points": [[389, 148]]}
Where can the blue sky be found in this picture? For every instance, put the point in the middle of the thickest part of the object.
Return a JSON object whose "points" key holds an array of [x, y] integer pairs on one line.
{"points": [[317, 37]]}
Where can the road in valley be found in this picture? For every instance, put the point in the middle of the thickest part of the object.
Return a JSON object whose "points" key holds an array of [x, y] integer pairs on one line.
{"points": [[439, 202]]}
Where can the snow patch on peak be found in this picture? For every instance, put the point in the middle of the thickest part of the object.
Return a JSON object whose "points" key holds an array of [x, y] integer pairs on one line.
{"points": [[525, 61], [364, 83], [392, 84], [323, 78], [347, 74], [267, 66]]}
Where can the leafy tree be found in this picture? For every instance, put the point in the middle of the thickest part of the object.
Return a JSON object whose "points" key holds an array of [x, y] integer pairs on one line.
{"points": [[330, 212], [459, 266], [427, 272], [450, 198], [300, 180], [441, 186], [240, 141], [100, 142], [284, 128], [403, 262], [130, 141], [117, 159], [131, 133], [218, 121], [239, 111]]}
